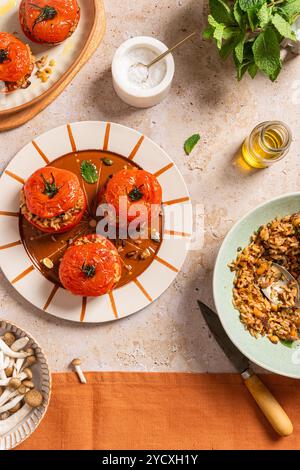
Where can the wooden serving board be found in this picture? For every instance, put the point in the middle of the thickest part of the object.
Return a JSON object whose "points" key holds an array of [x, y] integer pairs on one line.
{"points": [[11, 120]]}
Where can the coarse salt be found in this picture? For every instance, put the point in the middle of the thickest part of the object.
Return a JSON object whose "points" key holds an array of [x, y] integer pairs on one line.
{"points": [[137, 74]]}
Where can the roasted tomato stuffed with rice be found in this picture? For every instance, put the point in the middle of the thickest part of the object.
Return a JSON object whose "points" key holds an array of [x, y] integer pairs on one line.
{"points": [[49, 21], [16, 62], [139, 190], [91, 267], [52, 200]]}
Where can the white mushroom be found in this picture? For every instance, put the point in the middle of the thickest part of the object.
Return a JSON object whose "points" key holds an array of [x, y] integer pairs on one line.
{"points": [[28, 373], [8, 352], [29, 361], [7, 395], [17, 367], [33, 398], [9, 371], [9, 338], [5, 382], [19, 344], [76, 363], [9, 423], [2, 371], [6, 361], [11, 404], [11, 362]]}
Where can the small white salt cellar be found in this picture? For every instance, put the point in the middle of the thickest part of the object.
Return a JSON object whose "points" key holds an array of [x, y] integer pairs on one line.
{"points": [[132, 82]]}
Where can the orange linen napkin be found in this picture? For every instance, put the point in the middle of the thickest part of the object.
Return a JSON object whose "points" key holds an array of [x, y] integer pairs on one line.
{"points": [[161, 411]]}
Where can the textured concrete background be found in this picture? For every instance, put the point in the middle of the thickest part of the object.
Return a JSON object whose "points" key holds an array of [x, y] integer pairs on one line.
{"points": [[170, 335]]}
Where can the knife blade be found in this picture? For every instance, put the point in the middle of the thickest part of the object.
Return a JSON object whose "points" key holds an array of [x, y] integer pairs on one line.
{"points": [[238, 359], [268, 404]]}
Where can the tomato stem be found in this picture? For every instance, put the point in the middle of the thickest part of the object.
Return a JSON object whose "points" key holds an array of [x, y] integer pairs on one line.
{"points": [[47, 13], [88, 270], [50, 187], [3, 55], [136, 194]]}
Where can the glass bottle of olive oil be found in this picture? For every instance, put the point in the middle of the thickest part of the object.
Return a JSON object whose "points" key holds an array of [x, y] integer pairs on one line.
{"points": [[268, 142]]}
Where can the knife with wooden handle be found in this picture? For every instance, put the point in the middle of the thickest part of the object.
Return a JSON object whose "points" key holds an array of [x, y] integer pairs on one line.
{"points": [[268, 404]]}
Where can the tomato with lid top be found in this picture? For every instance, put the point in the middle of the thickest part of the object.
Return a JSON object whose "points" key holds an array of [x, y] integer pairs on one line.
{"points": [[140, 191], [49, 21], [90, 267], [52, 200], [16, 62]]}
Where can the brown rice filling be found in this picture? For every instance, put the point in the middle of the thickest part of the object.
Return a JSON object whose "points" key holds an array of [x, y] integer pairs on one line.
{"points": [[24, 81], [56, 223], [276, 242]]}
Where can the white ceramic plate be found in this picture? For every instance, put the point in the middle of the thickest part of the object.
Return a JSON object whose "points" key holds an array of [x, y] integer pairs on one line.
{"points": [[124, 301], [64, 54], [42, 380]]}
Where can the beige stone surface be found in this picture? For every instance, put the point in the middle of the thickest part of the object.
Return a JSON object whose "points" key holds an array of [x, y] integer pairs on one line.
{"points": [[170, 335]]}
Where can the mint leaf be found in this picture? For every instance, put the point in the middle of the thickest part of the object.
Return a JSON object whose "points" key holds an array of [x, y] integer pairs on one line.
{"points": [[227, 48], [218, 30], [291, 10], [212, 21], [230, 31], [221, 12], [208, 33], [252, 70], [287, 343], [241, 68], [190, 143], [253, 18], [89, 172], [239, 49], [249, 4], [283, 27], [218, 35], [266, 51], [247, 60], [252, 31], [263, 15], [238, 14]]}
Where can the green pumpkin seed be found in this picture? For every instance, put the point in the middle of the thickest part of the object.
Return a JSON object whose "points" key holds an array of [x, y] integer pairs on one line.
{"points": [[107, 161]]}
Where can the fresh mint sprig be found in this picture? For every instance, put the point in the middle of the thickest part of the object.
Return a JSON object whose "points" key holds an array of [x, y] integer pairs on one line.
{"points": [[252, 31]]}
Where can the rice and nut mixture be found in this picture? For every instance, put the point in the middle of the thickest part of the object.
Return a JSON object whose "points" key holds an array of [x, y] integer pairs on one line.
{"points": [[276, 242], [57, 222]]}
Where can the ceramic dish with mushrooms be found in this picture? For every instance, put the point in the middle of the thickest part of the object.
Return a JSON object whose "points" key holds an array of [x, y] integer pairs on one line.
{"points": [[21, 389]]}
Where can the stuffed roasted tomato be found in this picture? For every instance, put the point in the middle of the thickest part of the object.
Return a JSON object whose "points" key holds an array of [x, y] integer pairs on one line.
{"points": [[139, 189], [52, 200], [16, 62], [91, 267], [49, 21]]}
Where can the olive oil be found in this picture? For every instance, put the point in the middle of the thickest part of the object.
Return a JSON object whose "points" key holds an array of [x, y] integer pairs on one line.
{"points": [[267, 143]]}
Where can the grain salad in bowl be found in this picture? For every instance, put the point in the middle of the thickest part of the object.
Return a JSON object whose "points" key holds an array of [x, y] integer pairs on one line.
{"points": [[274, 243]]}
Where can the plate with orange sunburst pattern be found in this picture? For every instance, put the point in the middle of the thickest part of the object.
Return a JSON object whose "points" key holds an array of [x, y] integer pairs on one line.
{"points": [[72, 141]]}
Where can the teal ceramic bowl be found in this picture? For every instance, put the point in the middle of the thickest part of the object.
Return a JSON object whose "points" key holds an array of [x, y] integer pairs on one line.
{"points": [[276, 358]]}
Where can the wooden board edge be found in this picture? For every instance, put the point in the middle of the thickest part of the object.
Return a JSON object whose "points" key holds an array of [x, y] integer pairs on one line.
{"points": [[18, 118]]}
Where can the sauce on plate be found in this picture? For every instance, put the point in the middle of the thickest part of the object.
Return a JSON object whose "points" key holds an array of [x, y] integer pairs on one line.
{"points": [[42, 246]]}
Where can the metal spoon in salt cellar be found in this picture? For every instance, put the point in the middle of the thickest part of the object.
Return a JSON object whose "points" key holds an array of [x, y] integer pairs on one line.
{"points": [[144, 68], [277, 287]]}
